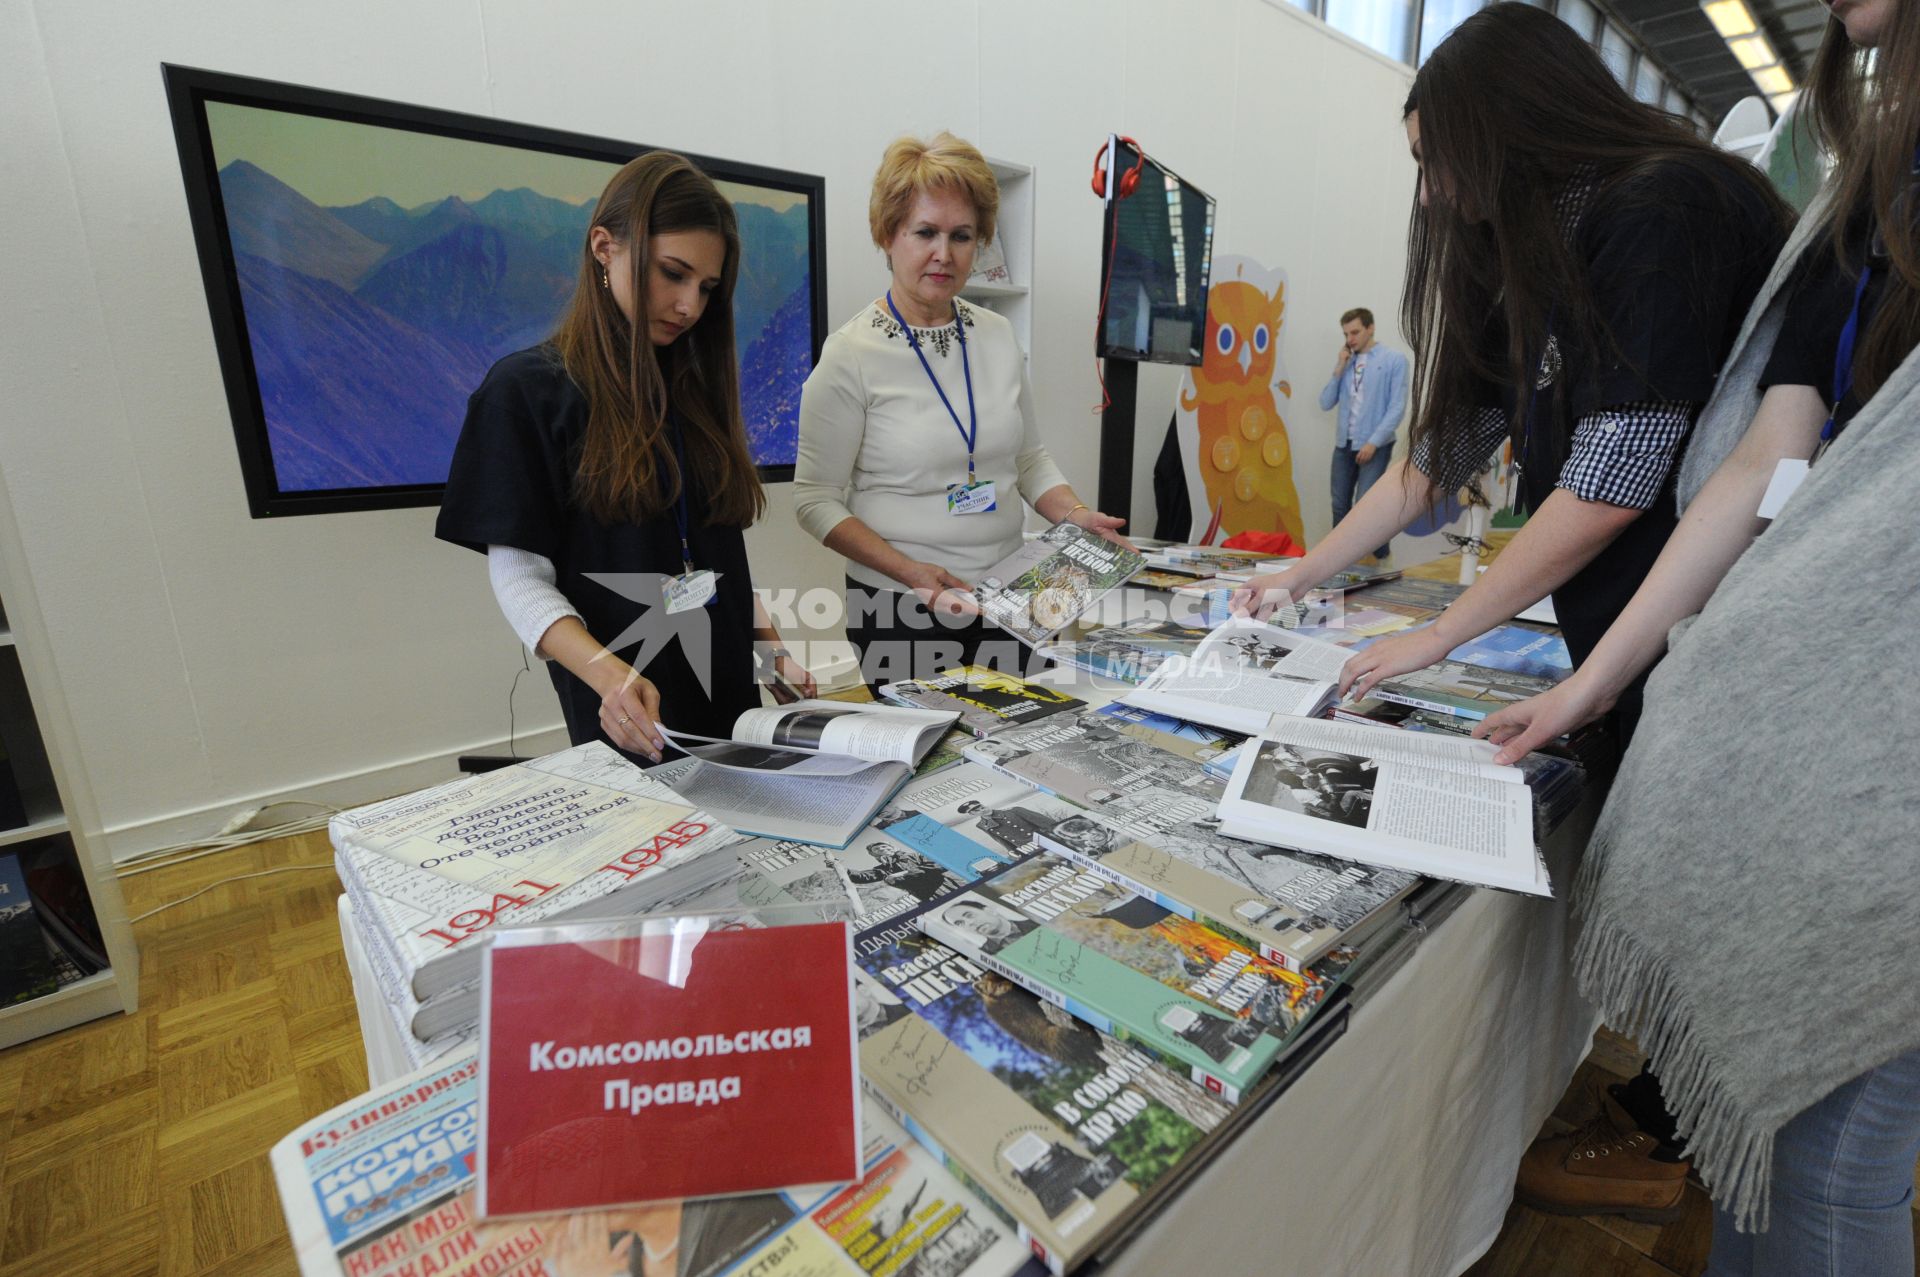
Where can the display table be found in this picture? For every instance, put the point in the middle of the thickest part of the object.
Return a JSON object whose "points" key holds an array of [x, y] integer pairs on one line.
{"points": [[1395, 1152]]}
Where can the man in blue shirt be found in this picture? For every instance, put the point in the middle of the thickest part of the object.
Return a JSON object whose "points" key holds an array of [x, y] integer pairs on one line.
{"points": [[1368, 397]]}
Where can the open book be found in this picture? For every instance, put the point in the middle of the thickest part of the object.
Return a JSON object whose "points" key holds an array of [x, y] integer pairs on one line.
{"points": [[1245, 672], [1418, 801], [812, 772], [1052, 581]]}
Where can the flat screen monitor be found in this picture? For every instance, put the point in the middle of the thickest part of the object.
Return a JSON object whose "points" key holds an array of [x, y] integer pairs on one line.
{"points": [[366, 261], [1156, 257]]}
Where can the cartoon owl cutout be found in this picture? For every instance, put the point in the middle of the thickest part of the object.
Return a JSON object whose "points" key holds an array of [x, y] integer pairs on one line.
{"points": [[1232, 433]]}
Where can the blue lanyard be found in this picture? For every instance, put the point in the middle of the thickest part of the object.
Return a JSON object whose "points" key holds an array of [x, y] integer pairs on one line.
{"points": [[1843, 354], [680, 506], [1850, 333], [969, 435]]}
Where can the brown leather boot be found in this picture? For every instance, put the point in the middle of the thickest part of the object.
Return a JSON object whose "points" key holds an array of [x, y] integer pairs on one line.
{"points": [[1604, 1168]]}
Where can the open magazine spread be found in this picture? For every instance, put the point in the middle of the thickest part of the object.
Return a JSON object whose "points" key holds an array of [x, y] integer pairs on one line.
{"points": [[986, 700], [1063, 1125], [1055, 928], [383, 1186], [1052, 581], [1245, 672], [1146, 818], [812, 771], [1417, 801], [428, 872]]}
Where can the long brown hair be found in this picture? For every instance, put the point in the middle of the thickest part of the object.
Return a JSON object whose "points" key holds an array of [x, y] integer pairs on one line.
{"points": [[627, 469], [1865, 109], [1514, 110]]}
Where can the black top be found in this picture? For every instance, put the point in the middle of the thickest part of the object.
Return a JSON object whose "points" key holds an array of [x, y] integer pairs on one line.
{"points": [[1673, 258], [511, 483], [1818, 304]]}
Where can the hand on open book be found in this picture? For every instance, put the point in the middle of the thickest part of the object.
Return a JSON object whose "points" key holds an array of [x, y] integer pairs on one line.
{"points": [[793, 675], [630, 710], [1399, 654], [1262, 595], [1520, 729]]}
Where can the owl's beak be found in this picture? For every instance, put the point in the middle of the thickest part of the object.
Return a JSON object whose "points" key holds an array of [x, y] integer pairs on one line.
{"points": [[1246, 355]]}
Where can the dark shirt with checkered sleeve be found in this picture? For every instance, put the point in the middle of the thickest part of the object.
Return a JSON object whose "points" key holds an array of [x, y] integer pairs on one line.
{"points": [[1620, 455]]}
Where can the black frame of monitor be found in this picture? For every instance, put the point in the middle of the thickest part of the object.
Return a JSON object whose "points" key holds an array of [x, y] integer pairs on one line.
{"points": [[189, 88], [1121, 376], [1109, 226]]}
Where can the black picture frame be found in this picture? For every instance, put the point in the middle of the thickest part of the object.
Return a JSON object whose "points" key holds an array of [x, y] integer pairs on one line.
{"points": [[190, 89]]}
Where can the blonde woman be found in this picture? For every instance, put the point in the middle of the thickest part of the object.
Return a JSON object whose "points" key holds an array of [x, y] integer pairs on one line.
{"points": [[918, 444]]}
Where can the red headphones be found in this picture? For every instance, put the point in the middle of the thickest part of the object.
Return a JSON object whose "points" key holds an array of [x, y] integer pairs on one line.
{"points": [[1129, 180]]}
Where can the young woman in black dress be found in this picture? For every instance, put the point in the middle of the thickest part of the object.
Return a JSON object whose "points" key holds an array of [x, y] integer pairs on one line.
{"points": [[606, 475]]}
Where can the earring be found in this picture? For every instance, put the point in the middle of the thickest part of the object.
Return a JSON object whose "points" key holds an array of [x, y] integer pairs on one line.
{"points": [[605, 282]]}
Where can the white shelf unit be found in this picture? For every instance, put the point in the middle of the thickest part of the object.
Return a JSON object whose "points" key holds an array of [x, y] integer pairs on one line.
{"points": [[38, 735], [1015, 232]]}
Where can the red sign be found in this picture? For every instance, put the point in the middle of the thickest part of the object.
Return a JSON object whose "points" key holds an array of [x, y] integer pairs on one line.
{"points": [[674, 1061]]}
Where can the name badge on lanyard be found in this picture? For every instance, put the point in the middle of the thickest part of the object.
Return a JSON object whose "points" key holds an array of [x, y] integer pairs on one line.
{"points": [[975, 496], [970, 498], [694, 587]]}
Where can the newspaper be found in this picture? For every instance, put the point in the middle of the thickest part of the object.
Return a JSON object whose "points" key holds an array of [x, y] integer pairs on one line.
{"points": [[1426, 803], [383, 1187], [1245, 672]]}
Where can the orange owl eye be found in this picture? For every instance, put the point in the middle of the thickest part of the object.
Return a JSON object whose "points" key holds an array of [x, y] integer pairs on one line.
{"points": [[1225, 339], [1260, 340]]}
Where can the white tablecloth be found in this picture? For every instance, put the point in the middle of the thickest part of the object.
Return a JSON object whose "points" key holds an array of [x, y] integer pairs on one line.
{"points": [[1394, 1154]]}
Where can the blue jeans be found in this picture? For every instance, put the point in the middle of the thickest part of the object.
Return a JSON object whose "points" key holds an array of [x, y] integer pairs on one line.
{"points": [[1842, 1186], [1351, 480]]}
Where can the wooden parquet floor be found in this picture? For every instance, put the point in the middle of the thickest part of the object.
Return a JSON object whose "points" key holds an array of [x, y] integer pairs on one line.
{"points": [[137, 1146]]}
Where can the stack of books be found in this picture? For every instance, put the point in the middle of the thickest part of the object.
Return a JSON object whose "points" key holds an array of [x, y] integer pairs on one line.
{"points": [[578, 834]]}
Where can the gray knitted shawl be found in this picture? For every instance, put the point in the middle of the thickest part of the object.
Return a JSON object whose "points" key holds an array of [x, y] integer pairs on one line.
{"points": [[1750, 901]]}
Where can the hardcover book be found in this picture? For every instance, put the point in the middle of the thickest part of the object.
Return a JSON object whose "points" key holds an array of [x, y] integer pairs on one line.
{"points": [[1466, 691], [987, 700], [429, 872], [1148, 819], [1128, 652], [1130, 967], [1052, 581], [1064, 1126]]}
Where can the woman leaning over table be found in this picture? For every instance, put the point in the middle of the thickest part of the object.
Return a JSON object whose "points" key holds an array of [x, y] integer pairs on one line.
{"points": [[606, 476], [1577, 266], [1749, 899], [918, 445]]}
